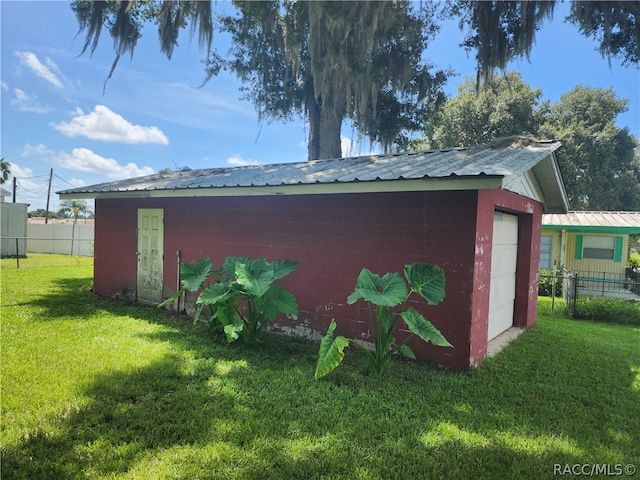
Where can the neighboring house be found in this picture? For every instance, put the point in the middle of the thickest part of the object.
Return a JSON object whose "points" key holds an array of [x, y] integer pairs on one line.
{"points": [[588, 243], [4, 193], [475, 212]]}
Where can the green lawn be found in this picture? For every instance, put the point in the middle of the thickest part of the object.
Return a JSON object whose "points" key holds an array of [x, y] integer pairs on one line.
{"points": [[96, 389]]}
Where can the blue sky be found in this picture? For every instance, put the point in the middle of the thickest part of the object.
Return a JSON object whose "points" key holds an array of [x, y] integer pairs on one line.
{"points": [[152, 115]]}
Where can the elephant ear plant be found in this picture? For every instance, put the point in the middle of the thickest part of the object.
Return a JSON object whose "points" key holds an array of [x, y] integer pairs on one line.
{"points": [[383, 294], [243, 298]]}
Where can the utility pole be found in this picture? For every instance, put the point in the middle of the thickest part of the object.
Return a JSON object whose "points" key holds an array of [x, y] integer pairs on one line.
{"points": [[46, 211], [15, 187]]}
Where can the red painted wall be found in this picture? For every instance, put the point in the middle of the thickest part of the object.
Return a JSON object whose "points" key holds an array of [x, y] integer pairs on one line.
{"points": [[332, 237], [115, 245]]}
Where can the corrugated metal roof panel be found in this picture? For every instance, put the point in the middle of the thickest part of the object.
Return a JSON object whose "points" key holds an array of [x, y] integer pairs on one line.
{"points": [[490, 160]]}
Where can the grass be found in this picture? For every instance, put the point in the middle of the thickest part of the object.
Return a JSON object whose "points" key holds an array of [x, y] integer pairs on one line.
{"points": [[597, 309], [613, 310], [98, 389]]}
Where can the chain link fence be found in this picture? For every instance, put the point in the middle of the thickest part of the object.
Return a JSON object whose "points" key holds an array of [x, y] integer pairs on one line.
{"points": [[570, 286]]}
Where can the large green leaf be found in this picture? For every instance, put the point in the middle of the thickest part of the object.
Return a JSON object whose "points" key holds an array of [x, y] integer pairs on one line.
{"points": [[255, 276], [213, 294], [193, 275], [426, 280], [232, 323], [331, 351], [277, 300], [424, 328], [407, 352], [233, 330], [172, 298], [282, 268], [230, 263], [387, 291]]}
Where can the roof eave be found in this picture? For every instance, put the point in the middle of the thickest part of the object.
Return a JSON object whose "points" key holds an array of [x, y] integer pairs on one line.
{"points": [[593, 229], [481, 182], [554, 193]]}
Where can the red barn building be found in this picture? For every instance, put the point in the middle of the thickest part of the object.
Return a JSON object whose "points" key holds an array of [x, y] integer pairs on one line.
{"points": [[475, 212]]}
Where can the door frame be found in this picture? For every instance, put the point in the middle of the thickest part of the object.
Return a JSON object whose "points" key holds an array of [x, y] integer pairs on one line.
{"points": [[157, 283]]}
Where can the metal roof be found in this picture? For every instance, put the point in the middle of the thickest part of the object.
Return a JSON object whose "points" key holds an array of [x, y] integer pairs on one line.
{"points": [[493, 160], [593, 221]]}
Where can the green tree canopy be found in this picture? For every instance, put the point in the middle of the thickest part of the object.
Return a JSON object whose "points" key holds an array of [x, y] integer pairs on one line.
{"points": [[499, 31], [613, 24], [362, 60], [599, 161], [505, 106], [73, 208], [323, 60], [328, 61], [5, 170], [41, 212]]}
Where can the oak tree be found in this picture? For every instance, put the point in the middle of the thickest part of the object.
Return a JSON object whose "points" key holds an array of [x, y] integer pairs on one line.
{"points": [[599, 161]]}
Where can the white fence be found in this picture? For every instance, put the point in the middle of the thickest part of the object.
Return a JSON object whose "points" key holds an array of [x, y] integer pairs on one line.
{"points": [[13, 229], [60, 238]]}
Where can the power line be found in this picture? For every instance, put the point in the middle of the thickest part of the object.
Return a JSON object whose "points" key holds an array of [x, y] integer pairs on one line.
{"points": [[65, 181], [35, 192]]}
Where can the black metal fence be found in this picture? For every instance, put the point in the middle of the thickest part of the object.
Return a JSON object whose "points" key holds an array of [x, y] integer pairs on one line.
{"points": [[572, 285]]}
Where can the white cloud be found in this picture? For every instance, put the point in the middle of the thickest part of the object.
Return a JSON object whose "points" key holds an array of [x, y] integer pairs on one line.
{"points": [[26, 183], [107, 126], [39, 149], [86, 161], [238, 161], [4, 86], [30, 60], [27, 103], [77, 182], [20, 172]]}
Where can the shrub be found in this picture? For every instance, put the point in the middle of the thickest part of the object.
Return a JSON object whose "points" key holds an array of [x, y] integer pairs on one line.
{"points": [[610, 310], [634, 261], [242, 296], [383, 294], [545, 284]]}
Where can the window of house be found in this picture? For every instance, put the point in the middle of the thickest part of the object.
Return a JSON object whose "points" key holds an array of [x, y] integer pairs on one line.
{"points": [[602, 248], [545, 252]]}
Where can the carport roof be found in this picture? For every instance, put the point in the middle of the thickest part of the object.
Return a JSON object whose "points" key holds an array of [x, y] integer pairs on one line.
{"points": [[495, 165]]}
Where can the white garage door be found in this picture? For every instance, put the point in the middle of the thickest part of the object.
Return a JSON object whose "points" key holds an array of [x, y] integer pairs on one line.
{"points": [[503, 273]]}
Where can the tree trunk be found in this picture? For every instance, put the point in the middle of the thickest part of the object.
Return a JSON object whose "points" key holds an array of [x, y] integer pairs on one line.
{"points": [[313, 144], [324, 131]]}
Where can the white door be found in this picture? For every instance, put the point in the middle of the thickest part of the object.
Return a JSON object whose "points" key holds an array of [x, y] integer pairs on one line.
{"points": [[150, 248], [503, 273]]}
